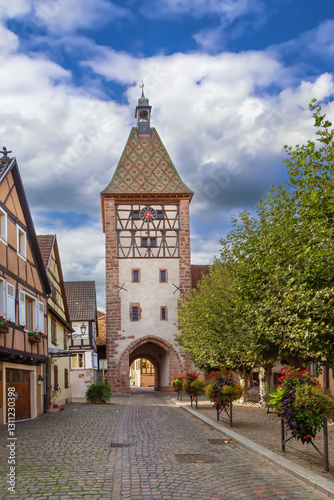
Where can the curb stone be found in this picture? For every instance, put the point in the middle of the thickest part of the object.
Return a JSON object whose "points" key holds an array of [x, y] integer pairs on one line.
{"points": [[307, 477]]}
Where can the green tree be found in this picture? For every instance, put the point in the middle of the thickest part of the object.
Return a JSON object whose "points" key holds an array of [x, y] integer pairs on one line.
{"points": [[211, 327], [283, 260]]}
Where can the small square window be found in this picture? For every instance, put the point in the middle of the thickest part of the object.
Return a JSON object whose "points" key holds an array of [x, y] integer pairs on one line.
{"points": [[135, 314], [135, 214], [160, 214], [152, 242], [135, 275], [144, 242]]}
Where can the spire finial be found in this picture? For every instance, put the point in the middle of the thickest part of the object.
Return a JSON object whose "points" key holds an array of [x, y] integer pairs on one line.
{"points": [[142, 88], [5, 152]]}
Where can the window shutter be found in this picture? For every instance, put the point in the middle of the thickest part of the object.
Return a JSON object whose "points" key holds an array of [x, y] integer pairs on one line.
{"points": [[35, 315], [22, 308], [2, 297], [41, 317], [10, 302], [88, 359], [95, 361]]}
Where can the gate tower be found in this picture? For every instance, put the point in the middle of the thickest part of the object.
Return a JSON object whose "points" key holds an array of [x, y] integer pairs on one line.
{"points": [[145, 211]]}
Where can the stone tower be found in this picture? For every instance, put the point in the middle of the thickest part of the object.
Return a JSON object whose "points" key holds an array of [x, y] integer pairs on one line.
{"points": [[145, 211]]}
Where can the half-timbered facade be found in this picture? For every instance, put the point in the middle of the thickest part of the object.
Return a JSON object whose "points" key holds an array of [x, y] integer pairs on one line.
{"points": [[57, 383], [145, 211], [81, 299], [23, 290]]}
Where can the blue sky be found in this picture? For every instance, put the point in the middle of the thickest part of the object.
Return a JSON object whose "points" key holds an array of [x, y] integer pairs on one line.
{"points": [[229, 82]]}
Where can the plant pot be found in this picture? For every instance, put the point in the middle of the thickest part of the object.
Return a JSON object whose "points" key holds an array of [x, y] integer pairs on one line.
{"points": [[34, 340], [3, 329]]}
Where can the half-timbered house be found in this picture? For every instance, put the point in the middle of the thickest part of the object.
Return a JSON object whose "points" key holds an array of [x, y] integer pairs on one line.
{"points": [[57, 385], [23, 291], [81, 299]]}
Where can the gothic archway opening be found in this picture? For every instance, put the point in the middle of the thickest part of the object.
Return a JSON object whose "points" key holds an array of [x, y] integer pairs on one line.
{"points": [[145, 363], [162, 354]]}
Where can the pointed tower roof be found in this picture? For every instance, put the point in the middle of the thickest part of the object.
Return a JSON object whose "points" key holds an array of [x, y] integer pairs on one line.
{"points": [[145, 167]]}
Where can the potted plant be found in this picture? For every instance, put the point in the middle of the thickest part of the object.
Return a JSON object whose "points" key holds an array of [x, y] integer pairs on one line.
{"points": [[177, 383], [193, 386], [98, 393], [35, 336], [222, 390], [302, 403], [4, 325], [40, 379]]}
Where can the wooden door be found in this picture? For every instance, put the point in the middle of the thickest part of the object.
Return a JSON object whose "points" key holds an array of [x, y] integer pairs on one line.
{"points": [[20, 379]]}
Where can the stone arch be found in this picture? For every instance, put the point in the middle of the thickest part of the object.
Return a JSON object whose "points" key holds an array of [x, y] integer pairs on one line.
{"points": [[174, 361]]}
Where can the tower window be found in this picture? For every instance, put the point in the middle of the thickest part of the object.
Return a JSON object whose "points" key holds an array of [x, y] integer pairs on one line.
{"points": [[135, 214], [143, 116], [163, 275], [135, 314], [159, 214], [144, 242], [163, 313], [135, 311], [152, 242], [135, 275]]}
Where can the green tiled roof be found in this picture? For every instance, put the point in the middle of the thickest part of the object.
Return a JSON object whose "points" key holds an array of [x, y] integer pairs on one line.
{"points": [[145, 167]]}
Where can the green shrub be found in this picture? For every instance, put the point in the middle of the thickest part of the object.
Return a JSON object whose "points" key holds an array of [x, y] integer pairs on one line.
{"points": [[98, 393]]}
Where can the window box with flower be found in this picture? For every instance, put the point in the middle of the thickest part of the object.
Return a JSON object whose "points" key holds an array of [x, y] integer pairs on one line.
{"points": [[4, 325], [35, 337]]}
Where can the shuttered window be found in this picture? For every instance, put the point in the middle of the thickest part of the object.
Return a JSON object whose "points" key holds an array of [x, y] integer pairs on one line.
{"points": [[53, 331], [55, 374]]}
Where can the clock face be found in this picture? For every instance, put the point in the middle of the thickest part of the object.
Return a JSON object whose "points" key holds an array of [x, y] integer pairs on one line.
{"points": [[148, 214]]}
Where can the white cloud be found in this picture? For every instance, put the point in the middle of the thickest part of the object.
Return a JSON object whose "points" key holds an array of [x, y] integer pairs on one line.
{"points": [[228, 9], [69, 15], [218, 116], [14, 8]]}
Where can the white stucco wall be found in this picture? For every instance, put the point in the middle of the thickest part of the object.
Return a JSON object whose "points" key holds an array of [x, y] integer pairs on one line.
{"points": [[151, 295]]}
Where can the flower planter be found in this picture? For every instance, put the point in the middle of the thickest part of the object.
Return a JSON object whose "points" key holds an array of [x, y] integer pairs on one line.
{"points": [[34, 340], [3, 329]]}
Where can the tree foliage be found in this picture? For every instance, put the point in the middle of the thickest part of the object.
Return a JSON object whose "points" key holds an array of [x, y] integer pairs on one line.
{"points": [[271, 294]]}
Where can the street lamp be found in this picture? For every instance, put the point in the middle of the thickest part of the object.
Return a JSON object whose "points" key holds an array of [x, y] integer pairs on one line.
{"points": [[83, 329]]}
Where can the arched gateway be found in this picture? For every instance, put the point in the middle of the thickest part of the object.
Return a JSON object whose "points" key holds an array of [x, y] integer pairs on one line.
{"points": [[145, 210]]}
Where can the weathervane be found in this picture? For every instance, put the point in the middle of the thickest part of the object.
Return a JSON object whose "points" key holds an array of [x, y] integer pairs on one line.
{"points": [[5, 152], [142, 88]]}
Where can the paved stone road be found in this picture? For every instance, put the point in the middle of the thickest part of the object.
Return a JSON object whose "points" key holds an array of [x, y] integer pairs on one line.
{"points": [[140, 447]]}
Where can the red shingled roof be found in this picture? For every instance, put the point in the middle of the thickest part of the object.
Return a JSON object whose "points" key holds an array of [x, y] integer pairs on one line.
{"points": [[81, 300], [45, 244]]}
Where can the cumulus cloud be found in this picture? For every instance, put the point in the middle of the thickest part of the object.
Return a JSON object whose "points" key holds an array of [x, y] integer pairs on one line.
{"points": [[223, 118], [66, 16], [228, 9]]}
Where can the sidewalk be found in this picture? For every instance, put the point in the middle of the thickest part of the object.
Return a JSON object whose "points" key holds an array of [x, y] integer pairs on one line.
{"points": [[254, 428]]}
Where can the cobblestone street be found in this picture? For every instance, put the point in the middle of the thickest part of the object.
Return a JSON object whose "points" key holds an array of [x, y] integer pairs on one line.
{"points": [[138, 447]]}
